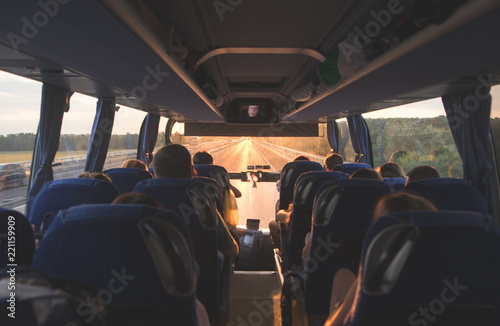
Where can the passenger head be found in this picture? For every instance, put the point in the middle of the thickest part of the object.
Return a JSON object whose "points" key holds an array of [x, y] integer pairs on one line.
{"points": [[332, 160], [421, 172], [139, 198], [391, 170], [134, 163], [203, 157], [173, 161], [95, 175], [301, 158], [401, 202], [365, 173]]}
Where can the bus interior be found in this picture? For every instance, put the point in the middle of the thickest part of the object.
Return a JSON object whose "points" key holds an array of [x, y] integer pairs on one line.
{"points": [[257, 84]]}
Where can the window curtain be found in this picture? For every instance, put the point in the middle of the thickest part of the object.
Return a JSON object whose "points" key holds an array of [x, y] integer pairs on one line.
{"points": [[468, 115], [168, 131], [360, 138], [148, 137], [55, 101], [101, 135], [332, 133]]}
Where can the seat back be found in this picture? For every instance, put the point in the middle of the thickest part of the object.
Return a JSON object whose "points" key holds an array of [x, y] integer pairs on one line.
{"points": [[450, 194], [216, 172], [350, 168], [125, 179], [65, 193], [60, 301], [189, 199], [343, 211], [139, 257], [423, 267], [396, 184], [300, 220], [17, 240], [289, 175], [212, 188]]}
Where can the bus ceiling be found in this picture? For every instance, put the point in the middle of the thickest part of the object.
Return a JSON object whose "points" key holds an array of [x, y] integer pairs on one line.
{"points": [[191, 60]]}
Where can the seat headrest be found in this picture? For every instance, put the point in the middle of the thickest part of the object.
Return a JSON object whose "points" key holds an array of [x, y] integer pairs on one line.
{"points": [[350, 168], [450, 194]]}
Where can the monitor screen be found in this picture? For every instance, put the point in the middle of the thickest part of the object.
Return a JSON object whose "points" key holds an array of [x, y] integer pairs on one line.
{"points": [[252, 111], [247, 239]]}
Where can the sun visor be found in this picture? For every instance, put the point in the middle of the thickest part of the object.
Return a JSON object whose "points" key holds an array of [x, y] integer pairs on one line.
{"points": [[254, 130]]}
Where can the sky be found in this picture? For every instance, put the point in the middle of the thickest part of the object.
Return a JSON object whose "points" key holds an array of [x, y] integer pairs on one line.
{"points": [[20, 105]]}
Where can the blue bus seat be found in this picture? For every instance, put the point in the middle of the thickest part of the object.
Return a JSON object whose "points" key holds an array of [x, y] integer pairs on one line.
{"points": [[65, 193], [450, 194], [63, 300], [138, 256], [416, 268], [289, 175], [188, 198], [22, 239], [125, 179], [396, 184], [216, 172], [300, 220], [350, 168], [214, 191], [343, 211]]}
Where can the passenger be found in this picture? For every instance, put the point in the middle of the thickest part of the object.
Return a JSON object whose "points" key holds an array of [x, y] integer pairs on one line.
{"points": [[134, 163], [390, 170], [332, 160], [95, 175], [204, 157], [301, 158], [344, 286], [283, 215], [137, 198], [145, 199], [174, 161], [365, 173], [421, 172]]}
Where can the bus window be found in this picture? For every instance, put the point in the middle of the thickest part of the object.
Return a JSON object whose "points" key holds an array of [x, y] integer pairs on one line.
{"points": [[75, 134], [20, 110], [415, 134], [74, 139], [125, 137], [495, 122], [345, 145]]}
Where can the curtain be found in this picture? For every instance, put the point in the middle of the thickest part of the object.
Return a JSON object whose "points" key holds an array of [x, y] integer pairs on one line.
{"points": [[101, 135], [148, 137], [168, 131], [332, 132], [360, 138], [468, 115], [55, 101]]}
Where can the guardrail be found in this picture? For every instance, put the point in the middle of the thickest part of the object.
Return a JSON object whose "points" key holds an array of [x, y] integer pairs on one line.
{"points": [[80, 158], [291, 153]]}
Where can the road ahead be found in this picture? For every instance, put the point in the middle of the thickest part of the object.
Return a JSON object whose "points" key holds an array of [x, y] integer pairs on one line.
{"points": [[256, 202]]}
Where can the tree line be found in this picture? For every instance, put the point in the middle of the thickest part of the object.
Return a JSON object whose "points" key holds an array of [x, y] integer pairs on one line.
{"points": [[416, 141]]}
